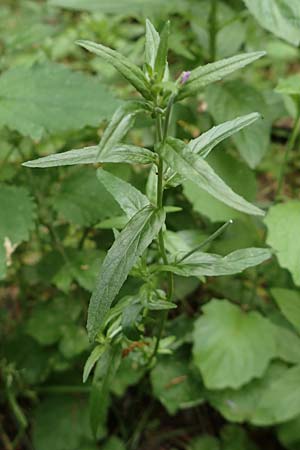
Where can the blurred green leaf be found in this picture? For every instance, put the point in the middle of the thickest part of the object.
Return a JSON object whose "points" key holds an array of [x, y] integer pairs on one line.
{"points": [[231, 347], [289, 434], [47, 320], [51, 98], [68, 417], [283, 223], [236, 98], [289, 85], [16, 221], [81, 199], [289, 304], [130, 7], [239, 405], [176, 384], [281, 17]]}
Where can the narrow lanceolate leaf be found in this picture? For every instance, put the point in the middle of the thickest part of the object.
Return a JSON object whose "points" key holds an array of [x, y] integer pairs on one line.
{"points": [[207, 141], [162, 52], [232, 347], [121, 153], [130, 71], [207, 264], [119, 125], [124, 253], [130, 199], [205, 75], [192, 167], [152, 43]]}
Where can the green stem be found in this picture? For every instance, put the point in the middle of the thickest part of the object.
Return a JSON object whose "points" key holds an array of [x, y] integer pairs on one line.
{"points": [[213, 28], [162, 133], [289, 147]]}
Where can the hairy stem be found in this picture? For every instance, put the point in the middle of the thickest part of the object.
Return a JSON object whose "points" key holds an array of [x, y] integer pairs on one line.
{"points": [[289, 147], [162, 133]]}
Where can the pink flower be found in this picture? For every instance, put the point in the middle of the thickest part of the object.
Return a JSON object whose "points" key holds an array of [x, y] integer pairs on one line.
{"points": [[185, 76]]}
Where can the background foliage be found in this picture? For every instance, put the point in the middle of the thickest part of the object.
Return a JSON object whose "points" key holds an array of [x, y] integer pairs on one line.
{"points": [[228, 374]]}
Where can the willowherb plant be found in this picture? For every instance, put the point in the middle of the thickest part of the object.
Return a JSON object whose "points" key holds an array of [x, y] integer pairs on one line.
{"points": [[139, 249]]}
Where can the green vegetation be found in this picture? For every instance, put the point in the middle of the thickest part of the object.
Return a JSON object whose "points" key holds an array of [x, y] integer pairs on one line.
{"points": [[150, 212]]}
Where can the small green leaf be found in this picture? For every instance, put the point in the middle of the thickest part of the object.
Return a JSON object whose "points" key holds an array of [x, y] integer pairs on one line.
{"points": [[152, 44], [130, 71], [192, 167], [289, 304], [206, 264], [127, 248], [130, 199], [91, 361], [162, 52], [232, 347], [207, 141], [205, 75], [120, 124], [99, 398]]}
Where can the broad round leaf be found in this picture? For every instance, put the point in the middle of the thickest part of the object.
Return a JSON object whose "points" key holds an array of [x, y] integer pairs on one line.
{"points": [[239, 405], [283, 222], [51, 98], [230, 346]]}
